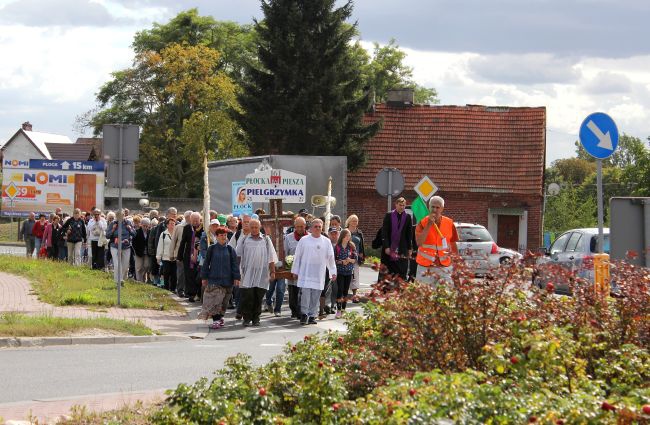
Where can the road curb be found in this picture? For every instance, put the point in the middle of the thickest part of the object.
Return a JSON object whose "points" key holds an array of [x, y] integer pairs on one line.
{"points": [[86, 340], [18, 244]]}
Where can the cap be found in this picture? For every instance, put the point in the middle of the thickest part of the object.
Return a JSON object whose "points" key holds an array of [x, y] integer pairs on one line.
{"points": [[215, 221], [332, 229], [222, 219], [302, 211]]}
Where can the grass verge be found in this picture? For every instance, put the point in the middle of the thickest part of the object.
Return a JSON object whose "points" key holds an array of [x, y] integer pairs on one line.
{"points": [[61, 284], [137, 413], [8, 232], [20, 325]]}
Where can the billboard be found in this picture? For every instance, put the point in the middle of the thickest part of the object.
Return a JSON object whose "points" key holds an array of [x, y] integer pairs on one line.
{"points": [[240, 204], [43, 185]]}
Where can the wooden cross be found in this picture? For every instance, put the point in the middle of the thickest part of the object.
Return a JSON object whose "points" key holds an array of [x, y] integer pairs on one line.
{"points": [[274, 224]]}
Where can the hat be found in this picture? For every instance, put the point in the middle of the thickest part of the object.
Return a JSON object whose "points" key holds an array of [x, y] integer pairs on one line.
{"points": [[222, 219], [215, 221], [332, 229], [302, 211]]}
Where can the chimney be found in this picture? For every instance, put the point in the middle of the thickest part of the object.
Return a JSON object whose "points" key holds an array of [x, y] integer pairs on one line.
{"points": [[27, 126], [400, 97]]}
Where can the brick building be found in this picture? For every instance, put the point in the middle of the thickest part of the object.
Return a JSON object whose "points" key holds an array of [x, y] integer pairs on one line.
{"points": [[488, 163]]}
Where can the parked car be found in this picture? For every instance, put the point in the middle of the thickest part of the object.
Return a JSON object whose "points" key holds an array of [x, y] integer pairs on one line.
{"points": [[479, 250], [573, 251], [504, 256]]}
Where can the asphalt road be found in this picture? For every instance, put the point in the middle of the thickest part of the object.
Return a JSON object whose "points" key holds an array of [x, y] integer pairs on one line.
{"points": [[70, 371], [13, 250]]}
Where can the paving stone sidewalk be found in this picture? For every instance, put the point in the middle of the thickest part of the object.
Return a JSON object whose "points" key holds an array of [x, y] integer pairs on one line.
{"points": [[16, 296], [49, 411]]}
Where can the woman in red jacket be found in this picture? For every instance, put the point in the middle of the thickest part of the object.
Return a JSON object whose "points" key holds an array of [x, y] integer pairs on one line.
{"points": [[37, 231]]}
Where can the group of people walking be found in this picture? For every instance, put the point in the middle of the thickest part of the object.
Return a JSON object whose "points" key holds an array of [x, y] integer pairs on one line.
{"points": [[57, 236], [318, 270], [232, 264]]}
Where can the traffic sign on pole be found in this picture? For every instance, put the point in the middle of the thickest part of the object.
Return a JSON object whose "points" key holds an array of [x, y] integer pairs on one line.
{"points": [[389, 182], [426, 188], [599, 135]]}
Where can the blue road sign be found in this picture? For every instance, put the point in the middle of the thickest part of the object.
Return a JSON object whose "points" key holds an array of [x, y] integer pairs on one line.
{"points": [[599, 135]]}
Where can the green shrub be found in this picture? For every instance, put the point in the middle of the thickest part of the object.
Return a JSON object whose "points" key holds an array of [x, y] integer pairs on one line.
{"points": [[476, 351]]}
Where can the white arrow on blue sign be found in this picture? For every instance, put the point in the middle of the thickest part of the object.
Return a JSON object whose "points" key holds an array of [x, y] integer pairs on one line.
{"points": [[599, 135]]}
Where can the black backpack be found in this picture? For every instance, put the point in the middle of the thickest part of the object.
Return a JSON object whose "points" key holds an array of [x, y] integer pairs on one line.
{"points": [[378, 241]]}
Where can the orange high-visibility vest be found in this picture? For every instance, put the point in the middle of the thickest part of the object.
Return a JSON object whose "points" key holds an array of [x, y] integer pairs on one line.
{"points": [[435, 249]]}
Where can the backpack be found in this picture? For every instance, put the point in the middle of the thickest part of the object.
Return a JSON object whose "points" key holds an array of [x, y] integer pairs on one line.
{"points": [[378, 241]]}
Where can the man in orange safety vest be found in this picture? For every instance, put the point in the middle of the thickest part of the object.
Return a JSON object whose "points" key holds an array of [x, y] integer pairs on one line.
{"points": [[436, 236]]}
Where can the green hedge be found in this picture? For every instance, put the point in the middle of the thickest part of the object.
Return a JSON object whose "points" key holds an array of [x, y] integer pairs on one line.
{"points": [[477, 351]]}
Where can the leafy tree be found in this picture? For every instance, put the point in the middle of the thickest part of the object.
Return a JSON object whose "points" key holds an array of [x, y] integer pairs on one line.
{"points": [[630, 151], [641, 175], [236, 43], [303, 96], [174, 95], [568, 210], [625, 173], [386, 70], [614, 184], [570, 170]]}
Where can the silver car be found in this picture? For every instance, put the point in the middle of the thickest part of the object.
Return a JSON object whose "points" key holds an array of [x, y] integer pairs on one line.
{"points": [[475, 246], [504, 257], [573, 251]]}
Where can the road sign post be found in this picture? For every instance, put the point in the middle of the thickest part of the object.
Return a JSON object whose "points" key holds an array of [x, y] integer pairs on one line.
{"points": [[599, 137], [121, 146], [389, 182]]}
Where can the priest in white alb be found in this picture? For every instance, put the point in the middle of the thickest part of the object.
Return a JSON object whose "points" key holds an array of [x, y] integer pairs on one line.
{"points": [[314, 254]]}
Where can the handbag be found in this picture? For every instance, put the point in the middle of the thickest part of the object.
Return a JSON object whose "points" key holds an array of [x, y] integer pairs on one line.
{"points": [[42, 253], [102, 241]]}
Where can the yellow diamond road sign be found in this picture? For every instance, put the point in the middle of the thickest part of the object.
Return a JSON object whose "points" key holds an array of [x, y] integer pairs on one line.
{"points": [[11, 190], [426, 188]]}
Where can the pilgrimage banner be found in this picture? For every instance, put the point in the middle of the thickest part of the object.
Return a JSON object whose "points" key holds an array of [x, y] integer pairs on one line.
{"points": [[276, 184], [240, 204]]}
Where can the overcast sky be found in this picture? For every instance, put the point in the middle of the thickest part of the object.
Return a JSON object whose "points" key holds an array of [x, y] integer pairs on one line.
{"points": [[574, 57]]}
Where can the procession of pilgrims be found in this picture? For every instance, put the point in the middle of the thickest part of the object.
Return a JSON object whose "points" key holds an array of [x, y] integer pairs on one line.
{"points": [[231, 263]]}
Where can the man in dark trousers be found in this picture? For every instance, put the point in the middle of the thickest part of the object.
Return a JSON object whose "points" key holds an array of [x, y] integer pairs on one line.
{"points": [[397, 239], [188, 251]]}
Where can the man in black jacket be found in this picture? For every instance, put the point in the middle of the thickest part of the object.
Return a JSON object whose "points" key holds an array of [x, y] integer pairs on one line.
{"points": [[397, 236], [188, 251]]}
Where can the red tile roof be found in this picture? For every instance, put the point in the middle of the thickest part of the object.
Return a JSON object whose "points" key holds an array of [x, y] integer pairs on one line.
{"points": [[461, 148], [71, 151]]}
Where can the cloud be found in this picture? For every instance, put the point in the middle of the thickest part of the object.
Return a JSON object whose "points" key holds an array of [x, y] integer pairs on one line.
{"points": [[242, 11], [535, 68], [607, 83], [66, 13], [604, 28], [568, 100], [54, 72]]}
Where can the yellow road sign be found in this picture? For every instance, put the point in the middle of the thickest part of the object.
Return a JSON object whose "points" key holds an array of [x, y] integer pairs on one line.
{"points": [[426, 188]]}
